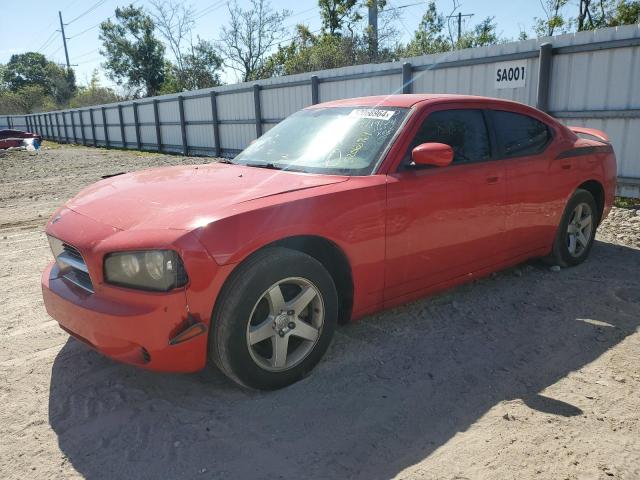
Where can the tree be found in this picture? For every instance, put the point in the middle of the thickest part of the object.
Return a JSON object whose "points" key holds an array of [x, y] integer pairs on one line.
{"points": [[430, 36], [482, 35], [93, 94], [135, 57], [553, 21], [175, 23], [32, 69], [24, 100], [201, 66], [625, 13], [335, 13], [607, 13], [250, 35]]}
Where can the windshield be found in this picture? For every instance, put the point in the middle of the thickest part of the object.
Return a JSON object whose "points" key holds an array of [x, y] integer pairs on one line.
{"points": [[335, 140]]}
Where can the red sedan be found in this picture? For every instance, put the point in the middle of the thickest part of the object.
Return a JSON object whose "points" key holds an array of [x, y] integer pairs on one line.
{"points": [[343, 209]]}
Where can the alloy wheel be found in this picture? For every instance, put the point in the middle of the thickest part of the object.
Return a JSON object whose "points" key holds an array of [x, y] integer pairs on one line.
{"points": [[579, 229], [285, 324]]}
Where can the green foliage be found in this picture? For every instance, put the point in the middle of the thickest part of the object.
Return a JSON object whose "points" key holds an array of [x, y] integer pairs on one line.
{"points": [[336, 13], [32, 69], [26, 99], [430, 36], [482, 35], [134, 56], [201, 67], [554, 21], [93, 94], [607, 13]]}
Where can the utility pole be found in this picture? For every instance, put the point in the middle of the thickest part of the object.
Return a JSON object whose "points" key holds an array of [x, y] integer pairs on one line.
{"points": [[373, 29], [64, 39], [458, 17]]}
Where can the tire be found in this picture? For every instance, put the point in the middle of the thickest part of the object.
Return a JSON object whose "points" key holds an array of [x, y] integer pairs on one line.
{"points": [[296, 324], [568, 248]]}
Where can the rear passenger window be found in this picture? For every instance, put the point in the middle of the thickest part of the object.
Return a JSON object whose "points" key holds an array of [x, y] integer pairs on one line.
{"points": [[463, 130], [519, 135]]}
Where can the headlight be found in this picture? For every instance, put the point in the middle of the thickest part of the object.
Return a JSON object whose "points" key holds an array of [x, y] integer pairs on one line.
{"points": [[160, 270]]}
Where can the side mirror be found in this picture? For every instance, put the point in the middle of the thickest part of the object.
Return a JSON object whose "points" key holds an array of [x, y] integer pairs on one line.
{"points": [[435, 154]]}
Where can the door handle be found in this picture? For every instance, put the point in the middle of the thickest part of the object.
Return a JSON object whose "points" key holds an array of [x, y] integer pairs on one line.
{"points": [[566, 166], [493, 179]]}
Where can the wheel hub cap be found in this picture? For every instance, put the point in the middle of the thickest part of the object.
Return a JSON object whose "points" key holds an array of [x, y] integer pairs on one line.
{"points": [[579, 229], [285, 324]]}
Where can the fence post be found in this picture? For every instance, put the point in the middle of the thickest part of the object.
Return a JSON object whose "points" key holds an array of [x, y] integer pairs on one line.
{"points": [[137, 125], [84, 137], [59, 137], [93, 128], [104, 127], [9, 122], [257, 110], [544, 76], [407, 80], [183, 126], [315, 90], [73, 128], [215, 123], [64, 124], [26, 120], [124, 143], [47, 125], [156, 119]]}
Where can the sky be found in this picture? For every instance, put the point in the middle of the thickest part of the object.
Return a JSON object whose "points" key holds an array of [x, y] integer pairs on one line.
{"points": [[22, 30]]}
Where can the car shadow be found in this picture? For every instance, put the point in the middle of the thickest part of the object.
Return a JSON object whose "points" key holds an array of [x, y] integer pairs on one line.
{"points": [[392, 388]]}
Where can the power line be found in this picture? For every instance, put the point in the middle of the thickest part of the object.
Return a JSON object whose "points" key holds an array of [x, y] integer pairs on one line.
{"points": [[211, 8], [48, 41], [97, 24], [99, 3]]}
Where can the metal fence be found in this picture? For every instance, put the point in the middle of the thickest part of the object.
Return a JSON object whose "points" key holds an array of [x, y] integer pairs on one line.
{"points": [[587, 79]]}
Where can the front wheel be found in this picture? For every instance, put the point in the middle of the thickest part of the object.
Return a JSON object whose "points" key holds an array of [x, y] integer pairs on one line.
{"points": [[576, 231], [274, 320]]}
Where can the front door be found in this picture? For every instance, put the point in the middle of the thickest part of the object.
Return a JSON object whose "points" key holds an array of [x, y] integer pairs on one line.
{"points": [[445, 222]]}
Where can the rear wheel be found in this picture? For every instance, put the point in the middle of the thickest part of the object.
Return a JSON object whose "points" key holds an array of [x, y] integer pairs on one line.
{"points": [[274, 320], [577, 230]]}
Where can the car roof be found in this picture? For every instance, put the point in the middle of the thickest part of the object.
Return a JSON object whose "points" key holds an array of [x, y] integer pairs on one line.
{"points": [[409, 100]]}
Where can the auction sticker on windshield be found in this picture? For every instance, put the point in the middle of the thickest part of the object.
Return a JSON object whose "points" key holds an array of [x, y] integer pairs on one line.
{"points": [[372, 113]]}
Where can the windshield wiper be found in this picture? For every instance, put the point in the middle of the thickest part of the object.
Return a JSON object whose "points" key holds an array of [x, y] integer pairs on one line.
{"points": [[269, 166], [226, 160]]}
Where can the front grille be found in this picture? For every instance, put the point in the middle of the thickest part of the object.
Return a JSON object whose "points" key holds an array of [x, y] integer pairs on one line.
{"points": [[72, 266]]}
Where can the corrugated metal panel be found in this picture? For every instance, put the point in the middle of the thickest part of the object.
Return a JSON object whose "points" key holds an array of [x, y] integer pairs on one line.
{"points": [[236, 137], [168, 111], [145, 113], [238, 106], [171, 135], [148, 135], [200, 136], [197, 109], [277, 103], [381, 85]]}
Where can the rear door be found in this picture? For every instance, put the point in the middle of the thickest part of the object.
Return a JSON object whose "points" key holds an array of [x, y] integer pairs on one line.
{"points": [[536, 181], [444, 222]]}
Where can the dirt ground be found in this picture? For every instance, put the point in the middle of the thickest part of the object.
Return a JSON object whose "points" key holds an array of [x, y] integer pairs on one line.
{"points": [[528, 374]]}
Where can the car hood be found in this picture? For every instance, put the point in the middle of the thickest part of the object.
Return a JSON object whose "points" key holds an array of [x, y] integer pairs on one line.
{"points": [[176, 197]]}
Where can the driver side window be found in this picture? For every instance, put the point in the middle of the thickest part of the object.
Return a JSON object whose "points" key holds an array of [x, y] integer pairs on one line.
{"points": [[464, 130]]}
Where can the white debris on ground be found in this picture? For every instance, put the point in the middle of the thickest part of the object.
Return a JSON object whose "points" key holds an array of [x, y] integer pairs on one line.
{"points": [[622, 226]]}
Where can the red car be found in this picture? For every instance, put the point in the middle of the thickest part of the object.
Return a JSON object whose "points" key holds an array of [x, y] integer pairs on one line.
{"points": [[343, 209]]}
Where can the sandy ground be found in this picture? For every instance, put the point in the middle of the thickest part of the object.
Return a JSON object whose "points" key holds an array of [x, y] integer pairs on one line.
{"points": [[527, 374]]}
